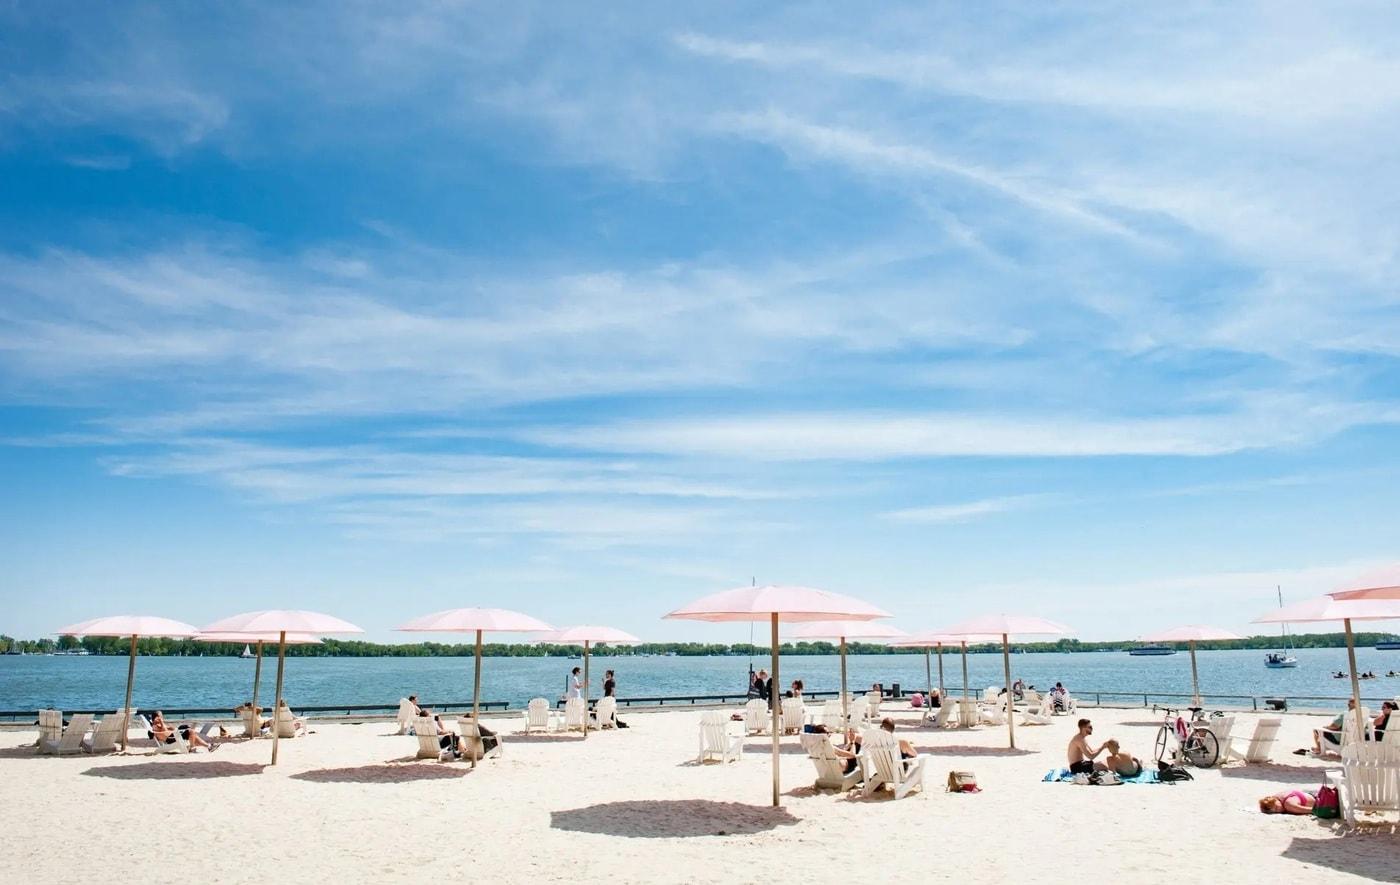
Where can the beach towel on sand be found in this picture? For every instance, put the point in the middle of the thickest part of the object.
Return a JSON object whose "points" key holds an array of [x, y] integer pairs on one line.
{"points": [[1065, 776]]}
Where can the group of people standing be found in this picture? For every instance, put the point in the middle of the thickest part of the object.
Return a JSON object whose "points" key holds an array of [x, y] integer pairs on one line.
{"points": [[574, 684]]}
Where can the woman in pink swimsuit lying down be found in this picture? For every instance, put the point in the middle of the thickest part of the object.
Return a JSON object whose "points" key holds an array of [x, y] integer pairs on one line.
{"points": [[1288, 802]]}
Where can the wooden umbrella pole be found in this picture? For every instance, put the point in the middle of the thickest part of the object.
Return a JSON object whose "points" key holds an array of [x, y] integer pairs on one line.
{"points": [[845, 715], [964, 662], [940, 672], [277, 706], [1010, 711], [776, 700], [585, 689], [476, 699], [928, 671], [1355, 685], [130, 678], [257, 677], [1195, 682]]}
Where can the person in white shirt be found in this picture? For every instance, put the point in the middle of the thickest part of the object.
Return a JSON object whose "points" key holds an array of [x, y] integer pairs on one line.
{"points": [[573, 688]]}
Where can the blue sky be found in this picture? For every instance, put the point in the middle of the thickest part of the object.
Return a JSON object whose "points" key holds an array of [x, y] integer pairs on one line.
{"points": [[1088, 313]]}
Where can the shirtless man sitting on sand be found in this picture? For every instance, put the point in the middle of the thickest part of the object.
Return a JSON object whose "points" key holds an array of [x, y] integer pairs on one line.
{"points": [[1081, 756]]}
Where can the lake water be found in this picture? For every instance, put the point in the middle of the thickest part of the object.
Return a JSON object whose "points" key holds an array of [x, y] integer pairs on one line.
{"points": [[75, 683]]}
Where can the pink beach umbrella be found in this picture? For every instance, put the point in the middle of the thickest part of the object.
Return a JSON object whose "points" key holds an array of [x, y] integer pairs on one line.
{"points": [[770, 603], [292, 639], [1006, 626], [134, 626], [1192, 633], [937, 639], [478, 621], [1379, 607], [584, 635], [843, 630], [284, 623]]}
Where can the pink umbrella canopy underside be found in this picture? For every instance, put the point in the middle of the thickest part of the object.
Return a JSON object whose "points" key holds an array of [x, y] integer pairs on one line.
{"points": [[589, 633], [1328, 608], [1019, 625], [871, 630], [292, 638], [1382, 583], [278, 620], [469, 620], [788, 602], [1192, 633], [931, 639], [130, 625]]}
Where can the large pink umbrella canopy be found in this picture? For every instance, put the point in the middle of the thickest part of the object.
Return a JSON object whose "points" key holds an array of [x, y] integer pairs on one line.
{"points": [[843, 630], [769, 603], [259, 638], [1346, 610], [282, 622], [1191, 634], [928, 639], [134, 626], [584, 635], [1008, 625], [1382, 583], [478, 621]]}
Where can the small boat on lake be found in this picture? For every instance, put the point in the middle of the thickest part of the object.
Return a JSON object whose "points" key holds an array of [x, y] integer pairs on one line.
{"points": [[1151, 650], [1281, 660], [247, 652]]}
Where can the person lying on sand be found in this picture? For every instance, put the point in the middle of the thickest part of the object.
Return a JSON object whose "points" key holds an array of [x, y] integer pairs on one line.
{"points": [[1289, 802], [1124, 764], [1081, 755]]}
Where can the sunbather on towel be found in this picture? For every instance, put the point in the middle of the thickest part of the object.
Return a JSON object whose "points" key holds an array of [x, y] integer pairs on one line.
{"points": [[1081, 755], [1124, 764]]}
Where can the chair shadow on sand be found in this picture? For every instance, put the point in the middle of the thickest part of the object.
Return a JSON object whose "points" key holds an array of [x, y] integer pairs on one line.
{"points": [[671, 818], [1341, 854], [395, 771], [1273, 772], [171, 769]]}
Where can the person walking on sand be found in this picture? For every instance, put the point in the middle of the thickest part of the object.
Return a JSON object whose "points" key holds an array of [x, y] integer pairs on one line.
{"points": [[1081, 755]]}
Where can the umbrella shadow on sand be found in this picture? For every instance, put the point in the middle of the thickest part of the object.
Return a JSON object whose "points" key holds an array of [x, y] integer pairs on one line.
{"points": [[1343, 855], [392, 772], [173, 770], [549, 738], [671, 818], [961, 750]]}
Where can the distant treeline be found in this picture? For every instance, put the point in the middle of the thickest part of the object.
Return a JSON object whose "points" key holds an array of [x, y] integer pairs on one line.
{"points": [[340, 648]]}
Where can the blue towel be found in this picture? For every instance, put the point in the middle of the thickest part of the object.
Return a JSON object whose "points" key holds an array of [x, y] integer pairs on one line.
{"points": [[1064, 776]]}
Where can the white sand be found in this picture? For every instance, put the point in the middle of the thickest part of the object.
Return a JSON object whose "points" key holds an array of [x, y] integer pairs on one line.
{"points": [[348, 803]]}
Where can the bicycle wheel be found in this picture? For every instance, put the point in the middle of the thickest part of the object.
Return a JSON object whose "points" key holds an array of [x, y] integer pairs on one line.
{"points": [[1164, 737], [1202, 749]]}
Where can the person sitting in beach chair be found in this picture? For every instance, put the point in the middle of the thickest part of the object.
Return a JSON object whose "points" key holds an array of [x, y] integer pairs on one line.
{"points": [[162, 733], [1125, 765], [1081, 755], [1327, 740], [447, 738]]}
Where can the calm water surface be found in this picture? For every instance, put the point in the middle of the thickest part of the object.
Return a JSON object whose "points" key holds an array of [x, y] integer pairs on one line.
{"points": [[69, 683]]}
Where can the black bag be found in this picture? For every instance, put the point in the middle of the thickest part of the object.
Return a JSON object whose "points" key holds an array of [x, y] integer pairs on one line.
{"points": [[1170, 774]]}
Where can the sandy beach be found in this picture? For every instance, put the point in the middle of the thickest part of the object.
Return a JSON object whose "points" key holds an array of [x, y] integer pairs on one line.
{"points": [[350, 803]]}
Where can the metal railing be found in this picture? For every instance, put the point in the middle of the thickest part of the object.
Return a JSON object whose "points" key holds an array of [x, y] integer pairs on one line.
{"points": [[336, 710]]}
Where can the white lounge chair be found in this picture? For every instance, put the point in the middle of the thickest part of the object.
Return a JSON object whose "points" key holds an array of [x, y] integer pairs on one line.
{"points": [[990, 694], [605, 713], [873, 699], [177, 745], [757, 717], [943, 717], [539, 716], [408, 711], [831, 769], [106, 735], [288, 724], [473, 745], [429, 742], [1038, 715], [794, 715], [994, 713], [252, 721], [1260, 745], [71, 741], [1031, 698], [1222, 727], [883, 766], [833, 718], [50, 728], [715, 740], [1369, 781], [573, 715], [969, 714], [860, 711]]}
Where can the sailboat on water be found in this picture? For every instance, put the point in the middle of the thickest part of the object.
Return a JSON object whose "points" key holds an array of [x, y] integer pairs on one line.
{"points": [[1281, 660], [247, 651]]}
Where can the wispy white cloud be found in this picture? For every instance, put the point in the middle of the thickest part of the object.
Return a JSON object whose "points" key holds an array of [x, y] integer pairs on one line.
{"points": [[964, 511]]}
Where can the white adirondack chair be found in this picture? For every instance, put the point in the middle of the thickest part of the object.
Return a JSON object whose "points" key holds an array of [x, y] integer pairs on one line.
{"points": [[1222, 727], [574, 712], [994, 713], [473, 747], [832, 717], [757, 717], [990, 694], [1039, 715], [883, 766], [106, 735], [252, 721], [177, 746], [605, 713], [969, 715], [1031, 698], [860, 711], [794, 715], [408, 711], [1260, 744], [831, 769], [287, 724], [715, 740], [872, 705], [50, 728], [71, 741], [539, 716], [429, 743], [1369, 781], [943, 717]]}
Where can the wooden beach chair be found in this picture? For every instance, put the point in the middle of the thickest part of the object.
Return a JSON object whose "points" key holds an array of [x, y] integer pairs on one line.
{"points": [[872, 709], [860, 711], [474, 745], [1039, 715], [50, 728], [883, 766], [942, 718], [574, 712], [794, 715], [757, 717], [539, 716], [1222, 727], [1260, 745], [715, 740], [70, 742], [106, 735], [969, 714], [429, 742], [994, 713], [252, 721], [833, 718], [1369, 781], [177, 747], [605, 713], [831, 769], [287, 723], [408, 711]]}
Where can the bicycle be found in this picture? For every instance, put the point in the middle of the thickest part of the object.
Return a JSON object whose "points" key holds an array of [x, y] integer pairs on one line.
{"points": [[1194, 742]]}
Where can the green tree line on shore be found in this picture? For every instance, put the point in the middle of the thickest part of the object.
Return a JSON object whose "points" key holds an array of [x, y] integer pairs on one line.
{"points": [[341, 648]]}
